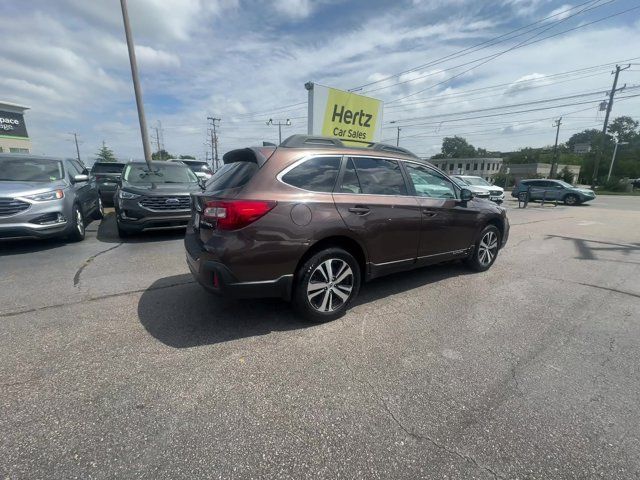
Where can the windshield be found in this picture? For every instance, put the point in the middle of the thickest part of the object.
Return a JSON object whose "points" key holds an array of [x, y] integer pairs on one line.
{"points": [[30, 170], [459, 182], [477, 181], [139, 174], [107, 168]]}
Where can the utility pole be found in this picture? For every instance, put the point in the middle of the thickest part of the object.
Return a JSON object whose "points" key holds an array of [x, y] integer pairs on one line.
{"points": [[554, 160], [279, 124], [614, 89], [158, 141], [136, 83], [398, 139], [613, 158], [214, 142], [75, 137]]}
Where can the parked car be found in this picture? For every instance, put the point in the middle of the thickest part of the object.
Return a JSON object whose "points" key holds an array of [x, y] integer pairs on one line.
{"points": [[46, 197], [199, 167], [312, 219], [107, 175], [477, 191], [496, 193], [156, 199], [553, 190]]}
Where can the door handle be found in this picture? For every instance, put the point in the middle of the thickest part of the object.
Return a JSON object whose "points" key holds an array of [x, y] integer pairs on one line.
{"points": [[360, 210], [429, 213]]}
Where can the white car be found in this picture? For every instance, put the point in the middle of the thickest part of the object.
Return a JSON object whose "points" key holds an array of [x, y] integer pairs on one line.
{"points": [[199, 167], [496, 193]]}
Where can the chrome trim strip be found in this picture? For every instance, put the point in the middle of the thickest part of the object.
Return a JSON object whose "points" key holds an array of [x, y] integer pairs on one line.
{"points": [[263, 282], [450, 252], [395, 261]]}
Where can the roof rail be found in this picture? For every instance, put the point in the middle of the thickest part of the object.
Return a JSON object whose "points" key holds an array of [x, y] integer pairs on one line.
{"points": [[301, 141], [383, 147]]}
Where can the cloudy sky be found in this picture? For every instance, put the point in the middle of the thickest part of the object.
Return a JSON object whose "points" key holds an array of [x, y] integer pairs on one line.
{"points": [[443, 67]]}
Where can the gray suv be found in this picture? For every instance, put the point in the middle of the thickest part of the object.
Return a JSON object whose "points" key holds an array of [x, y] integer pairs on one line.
{"points": [[46, 197]]}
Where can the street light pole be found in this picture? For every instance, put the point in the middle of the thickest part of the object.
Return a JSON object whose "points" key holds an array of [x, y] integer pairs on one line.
{"points": [[136, 83], [280, 124], [398, 138], [613, 158]]}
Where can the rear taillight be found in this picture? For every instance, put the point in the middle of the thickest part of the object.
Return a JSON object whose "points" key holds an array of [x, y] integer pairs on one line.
{"points": [[235, 214]]}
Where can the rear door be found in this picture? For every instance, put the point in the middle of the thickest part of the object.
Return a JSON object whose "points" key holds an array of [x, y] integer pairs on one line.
{"points": [[373, 199], [448, 226]]}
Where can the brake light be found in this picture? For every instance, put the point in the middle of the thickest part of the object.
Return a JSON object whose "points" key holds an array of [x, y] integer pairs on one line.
{"points": [[235, 214]]}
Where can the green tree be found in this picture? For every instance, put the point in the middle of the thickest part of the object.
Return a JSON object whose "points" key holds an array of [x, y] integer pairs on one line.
{"points": [[565, 175], [105, 154], [591, 136], [161, 155], [624, 128], [457, 147], [187, 157]]}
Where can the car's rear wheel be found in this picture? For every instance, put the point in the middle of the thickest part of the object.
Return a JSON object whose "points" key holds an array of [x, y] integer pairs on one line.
{"points": [[98, 214], [485, 250], [326, 284], [77, 228], [571, 200]]}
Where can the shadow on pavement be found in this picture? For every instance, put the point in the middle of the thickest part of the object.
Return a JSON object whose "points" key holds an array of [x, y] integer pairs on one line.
{"points": [[20, 246], [181, 314], [108, 233], [588, 249]]}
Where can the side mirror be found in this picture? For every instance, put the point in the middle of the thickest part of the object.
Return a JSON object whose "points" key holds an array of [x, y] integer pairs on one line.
{"points": [[80, 178], [465, 195], [202, 182]]}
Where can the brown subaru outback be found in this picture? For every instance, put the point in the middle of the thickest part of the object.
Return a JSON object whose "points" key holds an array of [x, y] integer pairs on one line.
{"points": [[312, 219]]}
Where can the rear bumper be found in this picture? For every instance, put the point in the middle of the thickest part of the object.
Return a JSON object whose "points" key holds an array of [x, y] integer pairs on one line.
{"points": [[218, 279]]}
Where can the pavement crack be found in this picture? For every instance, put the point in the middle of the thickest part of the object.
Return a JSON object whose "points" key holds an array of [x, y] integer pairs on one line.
{"points": [[85, 264], [93, 299], [418, 436]]}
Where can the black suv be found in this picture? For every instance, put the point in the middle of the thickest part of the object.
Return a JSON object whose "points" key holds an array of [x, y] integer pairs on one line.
{"points": [[156, 198], [107, 175]]}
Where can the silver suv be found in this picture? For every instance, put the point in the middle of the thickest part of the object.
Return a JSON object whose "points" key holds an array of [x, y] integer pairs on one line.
{"points": [[46, 197]]}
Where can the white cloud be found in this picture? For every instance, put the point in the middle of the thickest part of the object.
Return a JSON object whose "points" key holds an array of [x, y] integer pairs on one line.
{"points": [[294, 9], [561, 13], [526, 83]]}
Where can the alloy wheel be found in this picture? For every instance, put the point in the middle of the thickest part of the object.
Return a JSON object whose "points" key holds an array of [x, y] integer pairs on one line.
{"points": [[488, 248], [330, 285], [79, 222]]}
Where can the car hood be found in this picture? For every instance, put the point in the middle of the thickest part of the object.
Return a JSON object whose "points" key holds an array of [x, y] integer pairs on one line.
{"points": [[19, 189], [585, 190], [489, 188], [163, 188]]}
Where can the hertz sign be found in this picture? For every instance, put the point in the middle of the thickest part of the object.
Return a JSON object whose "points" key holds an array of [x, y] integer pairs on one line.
{"points": [[352, 118], [12, 125]]}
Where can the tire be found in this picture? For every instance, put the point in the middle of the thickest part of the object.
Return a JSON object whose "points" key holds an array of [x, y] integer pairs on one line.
{"points": [[77, 228], [98, 214], [319, 304], [571, 199], [485, 250], [121, 232]]}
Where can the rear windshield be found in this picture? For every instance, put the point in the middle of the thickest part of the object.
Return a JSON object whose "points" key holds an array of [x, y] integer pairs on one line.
{"points": [[107, 168], [30, 170], [159, 173], [232, 175]]}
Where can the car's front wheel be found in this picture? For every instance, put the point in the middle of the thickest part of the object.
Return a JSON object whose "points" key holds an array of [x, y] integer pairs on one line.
{"points": [[485, 250], [571, 199], [98, 214], [77, 227], [326, 284]]}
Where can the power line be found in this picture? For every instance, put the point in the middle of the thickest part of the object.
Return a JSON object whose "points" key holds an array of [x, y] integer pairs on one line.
{"points": [[525, 43]]}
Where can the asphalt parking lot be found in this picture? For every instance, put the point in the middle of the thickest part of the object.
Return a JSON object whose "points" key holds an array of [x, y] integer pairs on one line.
{"points": [[113, 363]]}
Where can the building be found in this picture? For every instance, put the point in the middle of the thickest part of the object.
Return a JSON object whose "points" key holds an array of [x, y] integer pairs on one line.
{"points": [[13, 131], [486, 168], [520, 171]]}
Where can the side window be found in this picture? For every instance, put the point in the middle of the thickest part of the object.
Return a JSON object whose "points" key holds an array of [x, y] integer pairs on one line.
{"points": [[316, 175], [429, 183], [378, 176], [72, 168]]}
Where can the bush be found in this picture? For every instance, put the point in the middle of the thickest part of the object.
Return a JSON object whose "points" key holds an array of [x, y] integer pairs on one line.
{"points": [[613, 185]]}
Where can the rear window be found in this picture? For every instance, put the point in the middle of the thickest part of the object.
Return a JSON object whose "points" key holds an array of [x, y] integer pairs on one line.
{"points": [[316, 175], [107, 168], [231, 175]]}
